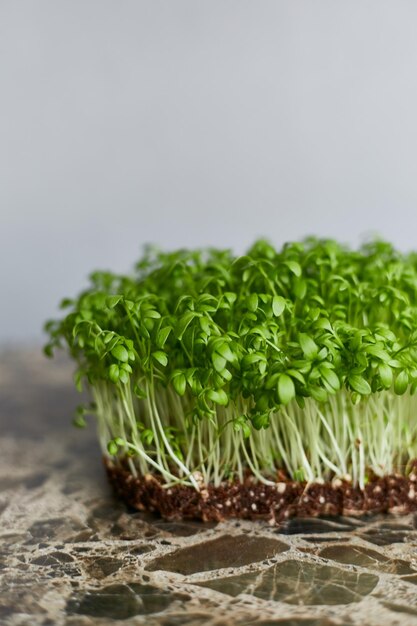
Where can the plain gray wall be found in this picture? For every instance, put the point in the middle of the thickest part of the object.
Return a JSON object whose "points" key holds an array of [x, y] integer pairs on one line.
{"points": [[187, 122]]}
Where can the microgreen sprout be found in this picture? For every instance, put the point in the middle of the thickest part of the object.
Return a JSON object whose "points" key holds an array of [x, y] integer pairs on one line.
{"points": [[203, 365]]}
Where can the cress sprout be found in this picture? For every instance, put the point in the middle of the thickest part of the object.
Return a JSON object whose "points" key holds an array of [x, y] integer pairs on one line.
{"points": [[204, 366]]}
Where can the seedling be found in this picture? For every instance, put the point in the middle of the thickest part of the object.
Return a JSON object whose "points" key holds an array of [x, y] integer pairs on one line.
{"points": [[204, 366]]}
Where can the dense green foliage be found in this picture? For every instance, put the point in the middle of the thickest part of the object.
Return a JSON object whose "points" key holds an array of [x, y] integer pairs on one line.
{"points": [[302, 359]]}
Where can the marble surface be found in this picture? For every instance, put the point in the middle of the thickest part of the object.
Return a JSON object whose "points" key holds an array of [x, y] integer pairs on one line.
{"points": [[71, 554]]}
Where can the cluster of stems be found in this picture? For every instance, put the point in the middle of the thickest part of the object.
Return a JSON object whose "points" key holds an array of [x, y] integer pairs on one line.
{"points": [[204, 366]]}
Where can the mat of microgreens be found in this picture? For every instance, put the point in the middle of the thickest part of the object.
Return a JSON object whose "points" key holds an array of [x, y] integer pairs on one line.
{"points": [[204, 366]]}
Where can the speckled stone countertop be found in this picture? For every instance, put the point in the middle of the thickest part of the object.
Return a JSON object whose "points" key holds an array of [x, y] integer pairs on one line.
{"points": [[71, 554]]}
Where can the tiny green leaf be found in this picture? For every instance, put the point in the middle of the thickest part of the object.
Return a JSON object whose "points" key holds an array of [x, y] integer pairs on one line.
{"points": [[253, 302], [286, 389], [120, 353], [386, 375], [330, 376], [219, 362], [179, 383], [162, 336], [160, 357], [183, 323], [219, 396], [260, 420], [112, 301], [139, 392], [308, 346], [147, 436], [114, 373], [278, 305], [401, 383], [224, 350], [359, 384], [294, 267], [112, 447], [123, 376], [79, 421]]}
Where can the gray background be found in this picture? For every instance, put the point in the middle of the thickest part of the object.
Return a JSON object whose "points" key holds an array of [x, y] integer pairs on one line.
{"points": [[188, 123]]}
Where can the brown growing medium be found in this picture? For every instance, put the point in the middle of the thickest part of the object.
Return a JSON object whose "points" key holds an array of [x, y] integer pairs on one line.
{"points": [[252, 500]]}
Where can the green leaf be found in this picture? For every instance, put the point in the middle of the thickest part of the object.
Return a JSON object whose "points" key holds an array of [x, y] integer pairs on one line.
{"points": [[308, 346], [123, 376], [286, 389], [226, 374], [65, 303], [86, 315], [230, 296], [160, 357], [179, 383], [78, 380], [395, 363], [299, 475], [139, 392], [253, 302], [294, 267], [324, 324], [250, 359], [260, 420], [246, 431], [205, 325], [322, 354], [147, 436], [240, 423], [112, 301], [359, 384], [224, 350], [300, 401], [330, 377], [300, 289], [386, 375], [120, 353], [162, 336], [278, 305], [151, 314], [401, 383], [378, 352], [219, 362], [48, 350], [318, 393], [183, 324], [108, 337], [112, 447], [219, 396], [114, 373], [79, 421], [297, 375]]}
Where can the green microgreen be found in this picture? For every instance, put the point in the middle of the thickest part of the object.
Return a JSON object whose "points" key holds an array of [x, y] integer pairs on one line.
{"points": [[202, 363]]}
